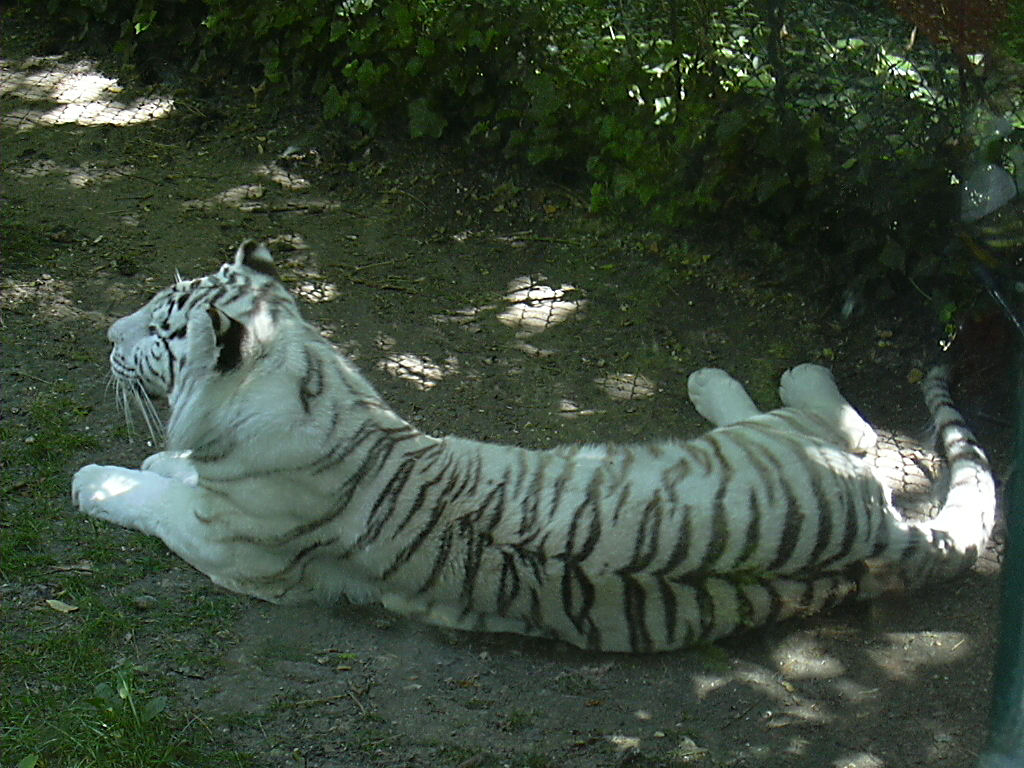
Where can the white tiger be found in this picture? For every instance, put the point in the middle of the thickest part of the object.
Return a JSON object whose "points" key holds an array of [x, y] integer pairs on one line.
{"points": [[287, 477]]}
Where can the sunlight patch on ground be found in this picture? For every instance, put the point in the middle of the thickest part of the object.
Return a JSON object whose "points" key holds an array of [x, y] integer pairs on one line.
{"points": [[534, 307], [799, 656], [293, 241], [855, 692], [911, 652], [529, 306], [316, 292], [248, 198], [626, 386], [301, 273], [625, 743], [56, 92], [783, 704], [419, 370], [468, 317], [282, 177], [705, 685], [530, 349], [79, 176], [244, 197], [861, 760]]}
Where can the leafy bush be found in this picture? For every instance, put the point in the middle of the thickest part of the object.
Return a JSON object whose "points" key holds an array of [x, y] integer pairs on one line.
{"points": [[440, 67], [815, 132], [144, 33]]}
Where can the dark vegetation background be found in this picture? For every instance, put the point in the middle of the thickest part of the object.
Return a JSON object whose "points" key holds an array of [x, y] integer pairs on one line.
{"points": [[826, 139]]}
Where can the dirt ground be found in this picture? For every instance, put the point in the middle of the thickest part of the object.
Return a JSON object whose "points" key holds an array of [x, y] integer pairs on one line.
{"points": [[490, 304]]}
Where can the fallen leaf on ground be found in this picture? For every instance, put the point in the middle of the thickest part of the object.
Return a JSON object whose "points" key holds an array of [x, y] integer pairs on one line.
{"points": [[61, 607]]}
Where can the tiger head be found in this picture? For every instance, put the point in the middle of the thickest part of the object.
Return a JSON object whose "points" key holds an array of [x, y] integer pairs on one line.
{"points": [[210, 322]]}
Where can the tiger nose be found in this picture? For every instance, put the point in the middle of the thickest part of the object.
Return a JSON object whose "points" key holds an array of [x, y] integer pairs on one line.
{"points": [[116, 331], [127, 327]]}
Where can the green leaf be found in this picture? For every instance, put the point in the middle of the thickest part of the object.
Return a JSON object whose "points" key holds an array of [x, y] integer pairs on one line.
{"points": [[370, 76], [424, 121], [333, 103], [730, 124], [893, 256], [623, 182], [425, 47], [768, 183], [143, 20], [947, 314], [153, 708], [543, 153], [547, 98], [104, 692], [819, 165], [29, 761], [339, 27]]}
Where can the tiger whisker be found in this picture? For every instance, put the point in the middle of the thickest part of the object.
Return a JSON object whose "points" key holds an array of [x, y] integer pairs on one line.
{"points": [[154, 424], [129, 395], [121, 397]]}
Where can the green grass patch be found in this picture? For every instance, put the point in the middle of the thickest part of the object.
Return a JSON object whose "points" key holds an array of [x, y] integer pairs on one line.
{"points": [[38, 446], [77, 689], [115, 723]]}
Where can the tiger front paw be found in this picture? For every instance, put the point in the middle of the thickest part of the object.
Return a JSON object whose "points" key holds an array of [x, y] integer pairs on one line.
{"points": [[117, 495], [175, 465], [93, 485]]}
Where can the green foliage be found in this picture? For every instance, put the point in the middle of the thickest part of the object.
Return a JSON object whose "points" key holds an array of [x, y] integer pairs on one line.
{"points": [[814, 131], [1012, 30], [436, 66], [145, 33]]}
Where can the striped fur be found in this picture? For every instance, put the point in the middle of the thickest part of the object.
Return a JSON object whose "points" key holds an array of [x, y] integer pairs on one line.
{"points": [[286, 477]]}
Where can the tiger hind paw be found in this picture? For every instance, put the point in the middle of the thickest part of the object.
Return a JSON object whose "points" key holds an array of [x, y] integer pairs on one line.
{"points": [[719, 398], [811, 388]]}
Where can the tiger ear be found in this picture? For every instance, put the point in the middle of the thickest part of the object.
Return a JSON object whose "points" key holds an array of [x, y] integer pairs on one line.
{"points": [[230, 335], [256, 256]]}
